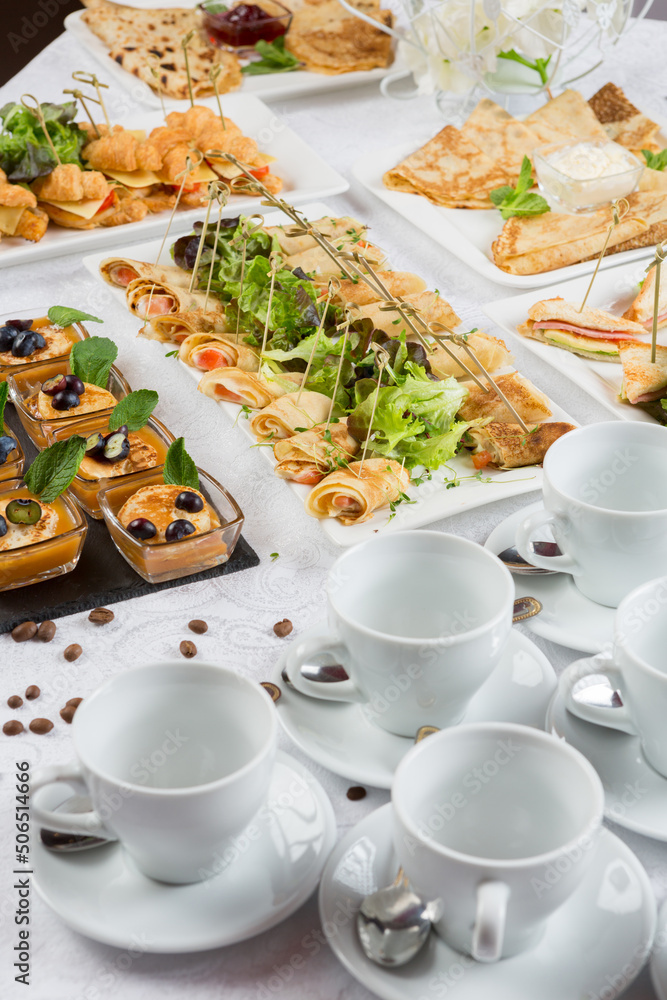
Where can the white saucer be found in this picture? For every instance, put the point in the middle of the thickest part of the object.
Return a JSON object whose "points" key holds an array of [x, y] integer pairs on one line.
{"points": [[101, 894], [567, 617], [340, 736], [659, 956], [635, 794], [594, 946]]}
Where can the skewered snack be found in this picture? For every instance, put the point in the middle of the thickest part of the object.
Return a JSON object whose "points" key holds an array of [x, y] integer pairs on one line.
{"points": [[508, 446], [353, 493], [281, 418], [307, 457], [207, 351]]}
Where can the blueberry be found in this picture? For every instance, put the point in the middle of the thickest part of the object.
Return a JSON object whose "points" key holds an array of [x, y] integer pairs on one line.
{"points": [[178, 530], [7, 336], [26, 342], [7, 446], [20, 324], [94, 444], [116, 447], [142, 528], [3, 526], [54, 384], [23, 511], [75, 384], [65, 400], [191, 502]]}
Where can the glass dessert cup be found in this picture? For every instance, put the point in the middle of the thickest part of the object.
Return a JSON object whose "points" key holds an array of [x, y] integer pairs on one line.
{"points": [[26, 384], [74, 333], [13, 467], [84, 489], [568, 194], [242, 34], [160, 561], [51, 557]]}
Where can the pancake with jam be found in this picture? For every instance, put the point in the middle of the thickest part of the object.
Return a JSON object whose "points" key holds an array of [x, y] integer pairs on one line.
{"points": [[158, 504], [18, 536]]}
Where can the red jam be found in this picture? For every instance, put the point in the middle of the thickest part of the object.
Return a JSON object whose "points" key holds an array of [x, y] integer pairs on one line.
{"points": [[244, 25]]}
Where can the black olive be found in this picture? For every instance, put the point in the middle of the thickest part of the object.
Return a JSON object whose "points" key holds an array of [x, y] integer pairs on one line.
{"points": [[23, 511], [178, 530], [20, 324], [3, 526], [7, 336], [94, 444], [75, 384], [191, 502], [65, 400], [26, 342], [142, 528], [54, 384], [116, 447], [7, 446]]}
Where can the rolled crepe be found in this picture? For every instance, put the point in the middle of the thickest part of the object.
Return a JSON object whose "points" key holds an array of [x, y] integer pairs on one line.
{"points": [[335, 230], [233, 385], [307, 457], [491, 352], [431, 307], [281, 418], [120, 271], [531, 404], [207, 351], [175, 327], [397, 283], [352, 495], [510, 446], [148, 298], [318, 263]]}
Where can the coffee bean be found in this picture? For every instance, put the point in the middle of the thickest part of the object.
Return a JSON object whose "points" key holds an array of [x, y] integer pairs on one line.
{"points": [[283, 628], [67, 713], [32, 692], [101, 616], [188, 649], [73, 652], [356, 792], [75, 702], [40, 726], [46, 631], [12, 728], [198, 626], [15, 701], [24, 631]]}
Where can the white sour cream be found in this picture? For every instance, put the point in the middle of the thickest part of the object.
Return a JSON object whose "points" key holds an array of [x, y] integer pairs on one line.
{"points": [[587, 160], [582, 176]]}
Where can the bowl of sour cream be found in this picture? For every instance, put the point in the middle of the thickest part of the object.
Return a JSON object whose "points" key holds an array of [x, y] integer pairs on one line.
{"points": [[583, 176]]}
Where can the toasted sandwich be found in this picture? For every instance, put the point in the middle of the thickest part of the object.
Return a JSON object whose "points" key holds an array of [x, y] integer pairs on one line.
{"points": [[643, 380], [641, 310], [591, 333]]}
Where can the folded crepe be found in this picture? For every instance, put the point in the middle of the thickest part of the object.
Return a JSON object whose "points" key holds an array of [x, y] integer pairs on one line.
{"points": [[307, 457], [450, 170], [120, 271], [622, 121], [207, 351], [398, 283], [545, 242], [328, 39], [175, 327], [491, 352], [148, 298], [643, 380], [500, 136], [509, 446], [282, 417], [233, 385], [354, 493], [568, 116], [592, 333], [335, 230], [531, 404], [641, 310], [317, 262], [430, 305]]}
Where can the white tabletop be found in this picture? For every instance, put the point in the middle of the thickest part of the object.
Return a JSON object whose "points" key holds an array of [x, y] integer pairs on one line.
{"points": [[242, 608]]}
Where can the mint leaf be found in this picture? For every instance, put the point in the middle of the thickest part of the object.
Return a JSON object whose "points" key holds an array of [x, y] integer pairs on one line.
{"points": [[179, 468], [498, 195], [275, 59], [539, 66], [91, 360], [525, 181], [656, 161], [4, 392], [519, 200], [54, 468], [64, 316], [134, 410]]}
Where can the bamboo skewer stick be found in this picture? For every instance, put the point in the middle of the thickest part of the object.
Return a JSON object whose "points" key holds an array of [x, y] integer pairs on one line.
{"points": [[276, 264], [247, 230], [37, 112], [660, 256], [80, 96], [184, 45], [617, 215], [82, 77], [330, 292], [213, 77], [222, 195], [348, 320], [382, 359]]}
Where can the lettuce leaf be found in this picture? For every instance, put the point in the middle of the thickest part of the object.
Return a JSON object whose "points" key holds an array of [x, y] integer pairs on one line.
{"points": [[25, 152]]}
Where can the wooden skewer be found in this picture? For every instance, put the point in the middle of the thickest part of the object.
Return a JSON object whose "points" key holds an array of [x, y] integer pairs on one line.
{"points": [[246, 232], [276, 264], [660, 256], [619, 210], [80, 96], [330, 293], [184, 45], [382, 361], [81, 77], [37, 112], [348, 320], [204, 234], [213, 77], [222, 195], [158, 87]]}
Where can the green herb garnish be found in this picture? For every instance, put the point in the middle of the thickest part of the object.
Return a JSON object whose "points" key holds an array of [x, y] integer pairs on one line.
{"points": [[655, 161], [539, 66], [273, 556], [64, 316], [25, 152], [519, 200], [53, 469], [179, 467], [91, 360], [4, 392], [275, 59], [133, 410], [172, 354]]}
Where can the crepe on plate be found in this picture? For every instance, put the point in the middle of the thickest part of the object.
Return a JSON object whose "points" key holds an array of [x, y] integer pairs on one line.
{"points": [[327, 39], [622, 121], [491, 352], [308, 456], [233, 385], [353, 493], [282, 417], [509, 446], [531, 404], [207, 351], [120, 271], [592, 333]]}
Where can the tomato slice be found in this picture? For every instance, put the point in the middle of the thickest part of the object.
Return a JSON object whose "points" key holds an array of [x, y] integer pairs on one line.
{"points": [[107, 203], [259, 172], [481, 459]]}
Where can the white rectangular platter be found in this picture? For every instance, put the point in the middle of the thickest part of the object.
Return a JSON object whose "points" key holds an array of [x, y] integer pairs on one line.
{"points": [[272, 86], [434, 499], [306, 176], [466, 233], [612, 291]]}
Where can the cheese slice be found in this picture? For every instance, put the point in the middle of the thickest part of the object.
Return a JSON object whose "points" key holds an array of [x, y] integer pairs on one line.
{"points": [[134, 178], [138, 133], [10, 218], [202, 174], [84, 209]]}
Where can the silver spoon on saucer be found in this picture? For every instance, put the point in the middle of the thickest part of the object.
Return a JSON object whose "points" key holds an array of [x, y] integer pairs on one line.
{"points": [[69, 843], [517, 564]]}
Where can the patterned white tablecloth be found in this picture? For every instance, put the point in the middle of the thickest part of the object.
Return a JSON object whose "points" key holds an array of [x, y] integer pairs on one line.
{"points": [[241, 609]]}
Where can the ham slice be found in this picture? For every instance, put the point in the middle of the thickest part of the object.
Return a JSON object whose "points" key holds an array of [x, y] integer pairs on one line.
{"points": [[662, 318], [547, 324]]}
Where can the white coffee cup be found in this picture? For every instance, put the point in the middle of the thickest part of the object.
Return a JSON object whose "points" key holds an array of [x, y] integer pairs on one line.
{"points": [[637, 669], [176, 759], [495, 826], [605, 498], [419, 620]]}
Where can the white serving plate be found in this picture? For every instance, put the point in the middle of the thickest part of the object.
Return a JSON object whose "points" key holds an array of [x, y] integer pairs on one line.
{"points": [[467, 233], [434, 500], [306, 176], [272, 86], [613, 291]]}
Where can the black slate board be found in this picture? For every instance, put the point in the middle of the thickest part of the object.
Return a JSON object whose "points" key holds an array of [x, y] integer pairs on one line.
{"points": [[102, 576]]}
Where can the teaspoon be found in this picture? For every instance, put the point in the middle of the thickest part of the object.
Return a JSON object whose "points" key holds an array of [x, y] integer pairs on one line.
{"points": [[68, 843]]}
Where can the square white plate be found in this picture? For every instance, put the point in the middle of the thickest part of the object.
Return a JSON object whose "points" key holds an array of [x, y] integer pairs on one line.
{"points": [[467, 233], [272, 86], [306, 176], [613, 291], [434, 500]]}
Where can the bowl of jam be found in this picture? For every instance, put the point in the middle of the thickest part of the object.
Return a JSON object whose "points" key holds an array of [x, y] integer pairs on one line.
{"points": [[242, 25]]}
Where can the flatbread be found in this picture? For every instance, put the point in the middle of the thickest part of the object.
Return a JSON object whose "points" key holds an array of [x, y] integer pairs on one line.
{"points": [[328, 39], [504, 139]]}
